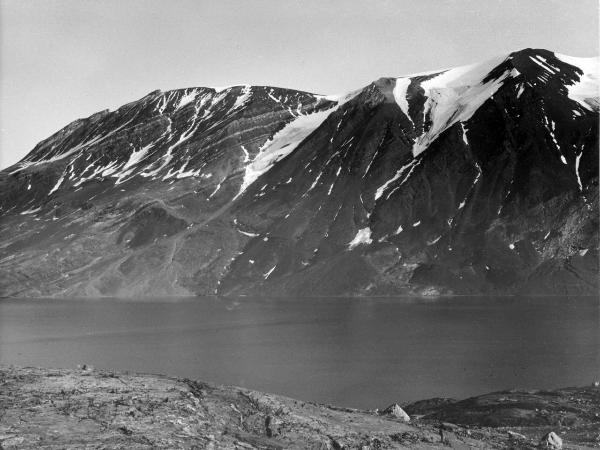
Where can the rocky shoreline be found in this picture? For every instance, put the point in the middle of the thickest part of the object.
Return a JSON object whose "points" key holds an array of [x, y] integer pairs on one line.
{"points": [[88, 408]]}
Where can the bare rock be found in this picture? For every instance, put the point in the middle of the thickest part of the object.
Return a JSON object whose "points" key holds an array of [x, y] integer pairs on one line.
{"points": [[397, 412], [552, 441], [73, 409], [516, 436]]}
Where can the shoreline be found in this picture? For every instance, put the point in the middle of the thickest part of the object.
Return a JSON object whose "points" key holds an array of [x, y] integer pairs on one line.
{"points": [[93, 408]]}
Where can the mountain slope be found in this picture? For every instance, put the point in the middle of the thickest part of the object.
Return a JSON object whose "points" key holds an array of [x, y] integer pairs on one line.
{"points": [[478, 179]]}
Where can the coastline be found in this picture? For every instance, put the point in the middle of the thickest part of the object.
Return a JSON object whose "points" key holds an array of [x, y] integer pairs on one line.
{"points": [[75, 408]]}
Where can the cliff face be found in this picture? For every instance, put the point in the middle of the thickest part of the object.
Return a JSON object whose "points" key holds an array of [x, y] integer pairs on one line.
{"points": [[479, 179]]}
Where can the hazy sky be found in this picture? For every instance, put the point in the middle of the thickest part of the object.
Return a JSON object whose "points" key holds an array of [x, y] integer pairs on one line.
{"points": [[66, 59]]}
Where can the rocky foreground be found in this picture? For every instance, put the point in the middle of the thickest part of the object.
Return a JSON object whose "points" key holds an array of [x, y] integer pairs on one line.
{"points": [[60, 408]]}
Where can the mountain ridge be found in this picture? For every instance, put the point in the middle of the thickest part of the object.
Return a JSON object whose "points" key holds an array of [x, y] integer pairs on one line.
{"points": [[410, 185]]}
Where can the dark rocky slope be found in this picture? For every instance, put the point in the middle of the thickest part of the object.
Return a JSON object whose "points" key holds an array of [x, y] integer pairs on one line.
{"points": [[481, 179]]}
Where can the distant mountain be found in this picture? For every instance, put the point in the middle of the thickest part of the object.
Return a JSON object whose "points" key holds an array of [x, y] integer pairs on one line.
{"points": [[481, 179]]}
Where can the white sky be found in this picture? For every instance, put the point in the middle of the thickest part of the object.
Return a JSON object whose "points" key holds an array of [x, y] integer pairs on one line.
{"points": [[66, 59]]}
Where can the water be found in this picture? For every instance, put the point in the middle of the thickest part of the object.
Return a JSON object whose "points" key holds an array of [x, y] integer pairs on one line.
{"points": [[363, 353]]}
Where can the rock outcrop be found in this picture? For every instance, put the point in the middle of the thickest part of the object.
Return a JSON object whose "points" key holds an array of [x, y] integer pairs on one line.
{"points": [[87, 408]]}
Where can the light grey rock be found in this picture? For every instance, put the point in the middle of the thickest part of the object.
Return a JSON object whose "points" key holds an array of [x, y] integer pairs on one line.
{"points": [[397, 412], [516, 436], [552, 441]]}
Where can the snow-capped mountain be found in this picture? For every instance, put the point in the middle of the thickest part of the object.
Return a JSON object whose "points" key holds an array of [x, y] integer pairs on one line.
{"points": [[476, 179]]}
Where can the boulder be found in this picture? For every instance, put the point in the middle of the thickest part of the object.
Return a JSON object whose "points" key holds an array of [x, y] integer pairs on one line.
{"points": [[397, 412], [516, 436], [552, 441]]}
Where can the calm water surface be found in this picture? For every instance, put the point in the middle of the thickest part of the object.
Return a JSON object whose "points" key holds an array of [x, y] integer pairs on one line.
{"points": [[362, 353]]}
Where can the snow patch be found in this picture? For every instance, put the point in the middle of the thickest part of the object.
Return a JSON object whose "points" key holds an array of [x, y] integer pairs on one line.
{"points": [[31, 211], [282, 144], [434, 241], [134, 158], [464, 133], [219, 89], [137, 156], [399, 91], [454, 95], [541, 61], [183, 137], [246, 154], [72, 150], [577, 159], [243, 97], [266, 275], [57, 185], [381, 189], [312, 186], [187, 98], [363, 236], [586, 90], [216, 189]]}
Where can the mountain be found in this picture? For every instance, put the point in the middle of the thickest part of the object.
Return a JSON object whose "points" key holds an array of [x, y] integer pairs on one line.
{"points": [[480, 179]]}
